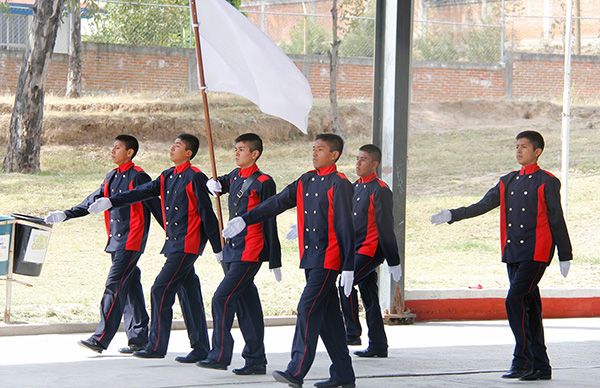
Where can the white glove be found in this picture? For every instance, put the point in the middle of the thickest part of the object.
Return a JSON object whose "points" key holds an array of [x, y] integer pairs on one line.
{"points": [[396, 272], [101, 204], [564, 267], [441, 217], [347, 281], [292, 234], [277, 273], [55, 217], [234, 227], [219, 257], [214, 186]]}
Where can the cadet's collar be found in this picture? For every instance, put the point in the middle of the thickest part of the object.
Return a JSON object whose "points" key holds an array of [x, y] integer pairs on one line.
{"points": [[182, 167], [327, 170], [530, 169], [246, 172], [368, 178], [124, 167]]}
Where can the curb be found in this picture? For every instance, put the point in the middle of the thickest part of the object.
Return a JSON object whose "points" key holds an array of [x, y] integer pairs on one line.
{"points": [[18, 329]]}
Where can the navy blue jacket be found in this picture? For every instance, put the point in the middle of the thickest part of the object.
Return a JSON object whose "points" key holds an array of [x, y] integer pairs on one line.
{"points": [[258, 242], [189, 220], [531, 217], [374, 220], [126, 227], [323, 199]]}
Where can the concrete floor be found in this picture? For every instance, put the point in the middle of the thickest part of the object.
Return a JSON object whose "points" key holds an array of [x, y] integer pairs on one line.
{"points": [[431, 354]]}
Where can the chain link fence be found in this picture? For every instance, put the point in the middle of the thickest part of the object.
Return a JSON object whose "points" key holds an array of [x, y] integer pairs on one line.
{"points": [[14, 26]]}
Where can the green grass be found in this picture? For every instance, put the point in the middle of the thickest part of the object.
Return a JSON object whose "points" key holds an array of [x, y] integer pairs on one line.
{"points": [[446, 169]]}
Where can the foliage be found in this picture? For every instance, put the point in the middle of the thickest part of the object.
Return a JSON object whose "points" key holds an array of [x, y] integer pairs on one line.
{"points": [[359, 41], [316, 40], [435, 46]]}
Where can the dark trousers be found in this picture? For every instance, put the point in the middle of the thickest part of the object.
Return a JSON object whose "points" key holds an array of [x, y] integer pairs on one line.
{"points": [[237, 294], [123, 297], [177, 276], [524, 311], [319, 314], [365, 276]]}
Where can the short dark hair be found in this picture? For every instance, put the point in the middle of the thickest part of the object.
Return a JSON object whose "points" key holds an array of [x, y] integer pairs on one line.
{"points": [[253, 140], [536, 138], [335, 142], [372, 150], [191, 143], [131, 143]]}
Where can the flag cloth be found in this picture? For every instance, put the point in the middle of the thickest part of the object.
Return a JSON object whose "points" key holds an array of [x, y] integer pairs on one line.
{"points": [[239, 58]]}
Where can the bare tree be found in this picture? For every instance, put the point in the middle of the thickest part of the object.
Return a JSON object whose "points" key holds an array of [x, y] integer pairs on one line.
{"points": [[25, 132], [342, 10], [75, 49]]}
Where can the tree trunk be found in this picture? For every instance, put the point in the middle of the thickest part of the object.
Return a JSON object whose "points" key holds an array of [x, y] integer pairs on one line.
{"points": [[75, 48], [333, 71], [25, 131]]}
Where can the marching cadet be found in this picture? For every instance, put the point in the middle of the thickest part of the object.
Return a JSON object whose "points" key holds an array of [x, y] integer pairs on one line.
{"points": [[242, 258], [375, 242], [326, 243], [531, 226], [127, 230], [189, 223]]}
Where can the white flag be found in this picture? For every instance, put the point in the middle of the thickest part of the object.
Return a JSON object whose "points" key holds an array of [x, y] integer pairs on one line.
{"points": [[239, 58]]}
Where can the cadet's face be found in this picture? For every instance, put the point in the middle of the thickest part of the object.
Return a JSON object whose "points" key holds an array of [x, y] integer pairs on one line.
{"points": [[243, 156], [119, 153], [365, 165], [525, 152], [178, 153], [322, 155]]}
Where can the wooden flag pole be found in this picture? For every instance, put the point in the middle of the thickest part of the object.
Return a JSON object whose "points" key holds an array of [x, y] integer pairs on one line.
{"points": [[209, 138]]}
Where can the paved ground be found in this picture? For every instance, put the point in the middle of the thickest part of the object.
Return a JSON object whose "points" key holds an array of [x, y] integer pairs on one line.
{"points": [[434, 354]]}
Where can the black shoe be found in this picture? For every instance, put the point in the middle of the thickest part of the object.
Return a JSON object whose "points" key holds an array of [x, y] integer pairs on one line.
{"points": [[91, 344], [191, 358], [129, 349], [353, 341], [145, 353], [515, 373], [537, 375], [210, 364], [332, 383], [368, 352], [251, 370], [286, 378]]}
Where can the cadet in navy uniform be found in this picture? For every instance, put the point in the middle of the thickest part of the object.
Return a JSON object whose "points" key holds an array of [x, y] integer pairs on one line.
{"points": [[531, 226], [375, 242], [242, 257], [189, 223], [323, 198], [127, 230]]}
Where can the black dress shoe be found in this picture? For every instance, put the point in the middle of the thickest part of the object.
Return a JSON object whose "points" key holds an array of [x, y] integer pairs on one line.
{"points": [[332, 383], [129, 349], [368, 352], [537, 375], [210, 364], [286, 378], [515, 373], [191, 358], [91, 344], [353, 341], [251, 370], [147, 354]]}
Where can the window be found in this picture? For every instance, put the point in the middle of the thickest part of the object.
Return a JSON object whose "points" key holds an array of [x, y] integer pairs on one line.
{"points": [[13, 31]]}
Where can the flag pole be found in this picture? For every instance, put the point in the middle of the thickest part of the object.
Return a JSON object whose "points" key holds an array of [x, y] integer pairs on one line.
{"points": [[211, 150]]}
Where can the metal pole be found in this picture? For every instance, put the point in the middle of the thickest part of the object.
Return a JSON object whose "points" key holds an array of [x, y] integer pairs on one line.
{"points": [[211, 150], [566, 112], [9, 274], [503, 32]]}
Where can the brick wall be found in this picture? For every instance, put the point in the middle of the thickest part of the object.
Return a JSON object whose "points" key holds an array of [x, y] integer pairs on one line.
{"points": [[114, 68]]}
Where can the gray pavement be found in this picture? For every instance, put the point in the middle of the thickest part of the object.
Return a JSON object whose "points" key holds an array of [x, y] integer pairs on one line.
{"points": [[431, 354]]}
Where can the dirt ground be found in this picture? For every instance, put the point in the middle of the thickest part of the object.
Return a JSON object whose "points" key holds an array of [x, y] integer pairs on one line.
{"points": [[97, 119]]}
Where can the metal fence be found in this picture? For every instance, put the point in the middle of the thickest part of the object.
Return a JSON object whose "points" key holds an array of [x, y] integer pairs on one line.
{"points": [[14, 27]]}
